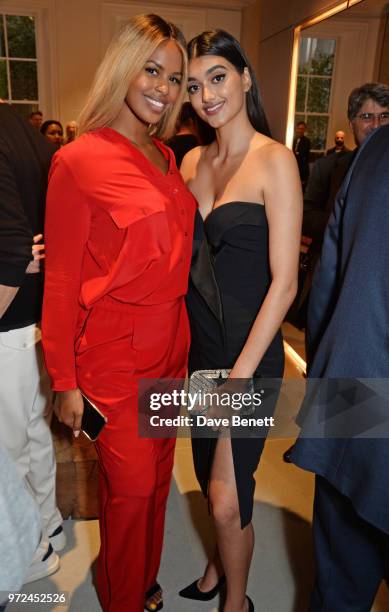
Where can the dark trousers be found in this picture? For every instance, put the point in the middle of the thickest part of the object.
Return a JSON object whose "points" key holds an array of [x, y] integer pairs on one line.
{"points": [[351, 554]]}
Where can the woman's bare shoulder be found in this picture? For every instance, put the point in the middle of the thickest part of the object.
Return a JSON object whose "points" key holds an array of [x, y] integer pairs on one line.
{"points": [[271, 166], [270, 149]]}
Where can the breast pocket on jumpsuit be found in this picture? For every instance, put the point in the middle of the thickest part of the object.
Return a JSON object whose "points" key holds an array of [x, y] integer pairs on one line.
{"points": [[108, 355]]}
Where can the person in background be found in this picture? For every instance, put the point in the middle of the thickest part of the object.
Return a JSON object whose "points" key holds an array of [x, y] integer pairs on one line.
{"points": [[186, 137], [52, 130], [367, 109], [36, 118], [119, 228], [301, 150], [25, 398], [347, 341], [339, 147], [71, 131]]}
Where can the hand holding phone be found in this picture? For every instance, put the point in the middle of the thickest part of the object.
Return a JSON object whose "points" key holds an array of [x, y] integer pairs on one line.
{"points": [[93, 420], [69, 408]]}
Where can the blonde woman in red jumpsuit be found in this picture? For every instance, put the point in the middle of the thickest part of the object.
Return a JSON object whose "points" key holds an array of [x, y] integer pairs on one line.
{"points": [[118, 246]]}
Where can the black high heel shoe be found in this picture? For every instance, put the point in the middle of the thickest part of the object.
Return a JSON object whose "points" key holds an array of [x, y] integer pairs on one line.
{"points": [[251, 605], [148, 595], [193, 592]]}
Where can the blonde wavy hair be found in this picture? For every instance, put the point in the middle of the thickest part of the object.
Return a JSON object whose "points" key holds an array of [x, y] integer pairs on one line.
{"points": [[124, 59]]}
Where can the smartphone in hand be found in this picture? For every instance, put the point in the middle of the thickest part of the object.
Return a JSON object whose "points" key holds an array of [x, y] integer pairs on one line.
{"points": [[93, 420]]}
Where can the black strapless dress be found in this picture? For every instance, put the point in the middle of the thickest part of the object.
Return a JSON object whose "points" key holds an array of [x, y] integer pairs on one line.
{"points": [[230, 276]]}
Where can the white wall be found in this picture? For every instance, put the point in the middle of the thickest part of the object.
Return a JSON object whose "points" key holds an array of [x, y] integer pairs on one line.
{"points": [[268, 27], [73, 35], [277, 20]]}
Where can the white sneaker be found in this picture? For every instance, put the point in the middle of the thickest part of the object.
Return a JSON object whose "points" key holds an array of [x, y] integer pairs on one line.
{"points": [[43, 564], [58, 539]]}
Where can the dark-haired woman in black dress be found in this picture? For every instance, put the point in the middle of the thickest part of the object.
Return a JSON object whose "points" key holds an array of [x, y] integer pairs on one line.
{"points": [[243, 280]]}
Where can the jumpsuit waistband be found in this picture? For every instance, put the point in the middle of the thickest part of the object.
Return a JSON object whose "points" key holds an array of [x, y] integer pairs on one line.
{"points": [[109, 303]]}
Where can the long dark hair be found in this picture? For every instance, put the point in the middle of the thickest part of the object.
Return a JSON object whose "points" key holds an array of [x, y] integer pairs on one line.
{"points": [[223, 44]]}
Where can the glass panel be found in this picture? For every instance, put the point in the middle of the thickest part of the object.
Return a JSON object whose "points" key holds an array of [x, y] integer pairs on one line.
{"points": [[300, 94], [316, 56], [318, 95], [3, 80], [305, 55], [323, 57], [317, 127], [2, 43], [25, 109], [21, 36], [24, 84]]}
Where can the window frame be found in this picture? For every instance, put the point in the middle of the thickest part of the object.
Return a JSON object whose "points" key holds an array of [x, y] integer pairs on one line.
{"points": [[43, 13], [8, 58]]}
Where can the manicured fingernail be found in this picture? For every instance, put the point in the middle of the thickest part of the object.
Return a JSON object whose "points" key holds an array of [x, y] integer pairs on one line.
{"points": [[76, 433]]}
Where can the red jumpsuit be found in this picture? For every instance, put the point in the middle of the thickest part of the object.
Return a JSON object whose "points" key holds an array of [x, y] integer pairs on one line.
{"points": [[118, 241]]}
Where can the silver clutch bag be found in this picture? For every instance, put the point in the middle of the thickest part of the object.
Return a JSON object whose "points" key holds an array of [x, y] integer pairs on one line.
{"points": [[206, 381]]}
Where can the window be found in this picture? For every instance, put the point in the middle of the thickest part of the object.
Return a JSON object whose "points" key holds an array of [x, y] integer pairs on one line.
{"points": [[18, 62], [316, 65]]}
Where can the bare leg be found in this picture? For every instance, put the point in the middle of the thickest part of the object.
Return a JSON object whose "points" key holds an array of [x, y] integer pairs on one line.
{"points": [[235, 545], [213, 572]]}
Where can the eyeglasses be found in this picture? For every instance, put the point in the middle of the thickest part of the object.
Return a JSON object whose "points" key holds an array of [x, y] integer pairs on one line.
{"points": [[369, 117]]}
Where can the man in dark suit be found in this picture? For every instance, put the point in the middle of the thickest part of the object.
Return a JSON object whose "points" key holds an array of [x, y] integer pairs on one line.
{"points": [[367, 108], [347, 337], [301, 149], [339, 147]]}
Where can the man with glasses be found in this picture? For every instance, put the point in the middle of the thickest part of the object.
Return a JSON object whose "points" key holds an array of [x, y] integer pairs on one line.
{"points": [[367, 109]]}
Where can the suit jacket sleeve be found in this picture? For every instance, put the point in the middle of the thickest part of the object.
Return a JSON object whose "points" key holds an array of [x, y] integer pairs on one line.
{"points": [[315, 198], [15, 231], [305, 148]]}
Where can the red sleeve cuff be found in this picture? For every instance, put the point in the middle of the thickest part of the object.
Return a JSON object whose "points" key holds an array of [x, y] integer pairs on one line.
{"points": [[64, 385]]}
